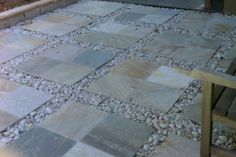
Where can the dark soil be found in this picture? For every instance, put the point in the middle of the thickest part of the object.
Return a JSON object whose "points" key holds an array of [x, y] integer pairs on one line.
{"points": [[10, 4]]}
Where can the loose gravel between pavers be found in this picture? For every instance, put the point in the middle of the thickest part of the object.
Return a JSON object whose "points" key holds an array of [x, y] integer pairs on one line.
{"points": [[163, 123]]}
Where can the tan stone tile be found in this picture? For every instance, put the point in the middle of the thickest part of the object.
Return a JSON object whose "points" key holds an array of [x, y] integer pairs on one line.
{"points": [[134, 68]]}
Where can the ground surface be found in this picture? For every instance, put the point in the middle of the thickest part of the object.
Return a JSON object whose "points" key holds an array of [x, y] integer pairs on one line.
{"points": [[187, 4], [109, 79]]}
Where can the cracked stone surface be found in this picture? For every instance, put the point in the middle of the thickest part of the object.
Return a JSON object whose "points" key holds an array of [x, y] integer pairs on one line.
{"points": [[110, 80]]}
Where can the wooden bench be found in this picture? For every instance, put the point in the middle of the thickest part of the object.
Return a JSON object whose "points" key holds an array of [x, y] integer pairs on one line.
{"points": [[219, 105]]}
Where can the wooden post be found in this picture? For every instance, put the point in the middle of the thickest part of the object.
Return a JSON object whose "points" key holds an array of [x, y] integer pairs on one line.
{"points": [[206, 136], [208, 4]]}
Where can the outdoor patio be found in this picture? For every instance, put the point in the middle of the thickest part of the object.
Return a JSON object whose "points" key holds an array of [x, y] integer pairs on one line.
{"points": [[106, 79]]}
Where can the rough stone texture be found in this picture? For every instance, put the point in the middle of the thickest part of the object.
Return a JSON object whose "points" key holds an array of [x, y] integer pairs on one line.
{"points": [[16, 101], [84, 150], [95, 8], [193, 111], [106, 132], [53, 64], [205, 23], [107, 37], [176, 146], [14, 44], [228, 58], [114, 34], [147, 15], [57, 24], [182, 46], [33, 144], [140, 83]]}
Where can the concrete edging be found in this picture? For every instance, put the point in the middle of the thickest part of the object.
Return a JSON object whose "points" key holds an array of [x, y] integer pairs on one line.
{"points": [[22, 13]]}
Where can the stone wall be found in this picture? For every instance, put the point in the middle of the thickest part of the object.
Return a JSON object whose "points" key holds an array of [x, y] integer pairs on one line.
{"points": [[16, 15], [9, 4]]}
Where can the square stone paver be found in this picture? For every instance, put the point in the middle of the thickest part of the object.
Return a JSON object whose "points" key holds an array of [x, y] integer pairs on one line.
{"points": [[14, 44], [206, 23], [58, 24], [96, 8], [182, 46], [99, 130], [40, 142], [65, 63], [194, 110], [84, 150], [147, 14], [114, 34], [16, 101], [143, 83], [176, 146], [170, 77], [108, 39]]}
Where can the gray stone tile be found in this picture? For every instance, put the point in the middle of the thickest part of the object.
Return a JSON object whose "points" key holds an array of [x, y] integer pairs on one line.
{"points": [[137, 91], [108, 39], [58, 24], [147, 14], [228, 58], [121, 29], [194, 110], [96, 8], [22, 101], [184, 47], [159, 17], [117, 136], [51, 28], [38, 65], [143, 9], [93, 58], [67, 73], [40, 142], [130, 16], [84, 150], [176, 146], [6, 120], [74, 54], [64, 52], [78, 21], [6, 87], [109, 27], [171, 77], [14, 44], [136, 69], [207, 23], [63, 122], [65, 63], [136, 32]]}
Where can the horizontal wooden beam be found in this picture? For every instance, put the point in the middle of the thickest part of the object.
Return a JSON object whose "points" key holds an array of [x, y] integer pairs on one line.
{"points": [[215, 77], [222, 152]]}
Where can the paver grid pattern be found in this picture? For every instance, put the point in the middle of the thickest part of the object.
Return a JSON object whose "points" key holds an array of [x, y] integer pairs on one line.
{"points": [[122, 74]]}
